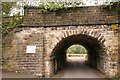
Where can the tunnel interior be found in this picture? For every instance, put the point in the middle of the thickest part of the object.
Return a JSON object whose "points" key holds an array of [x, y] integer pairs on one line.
{"points": [[92, 45]]}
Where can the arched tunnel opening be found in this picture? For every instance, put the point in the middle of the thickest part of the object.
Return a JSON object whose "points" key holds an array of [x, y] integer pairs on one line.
{"points": [[76, 51], [92, 45]]}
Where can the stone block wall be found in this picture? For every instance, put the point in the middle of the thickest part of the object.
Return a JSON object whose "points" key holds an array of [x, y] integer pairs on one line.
{"points": [[72, 16], [14, 51], [119, 48]]}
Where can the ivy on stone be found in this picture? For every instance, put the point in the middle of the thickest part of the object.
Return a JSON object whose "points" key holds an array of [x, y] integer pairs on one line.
{"points": [[112, 6]]}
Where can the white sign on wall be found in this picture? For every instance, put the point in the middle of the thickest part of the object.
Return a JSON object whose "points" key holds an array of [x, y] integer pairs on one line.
{"points": [[31, 49]]}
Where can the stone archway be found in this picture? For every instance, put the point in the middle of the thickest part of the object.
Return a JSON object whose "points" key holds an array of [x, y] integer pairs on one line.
{"points": [[93, 39]]}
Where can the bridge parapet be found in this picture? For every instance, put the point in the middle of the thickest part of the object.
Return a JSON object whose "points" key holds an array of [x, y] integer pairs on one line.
{"points": [[72, 16]]}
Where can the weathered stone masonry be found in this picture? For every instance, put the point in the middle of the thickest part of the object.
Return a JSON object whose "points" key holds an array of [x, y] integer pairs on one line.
{"points": [[53, 32]]}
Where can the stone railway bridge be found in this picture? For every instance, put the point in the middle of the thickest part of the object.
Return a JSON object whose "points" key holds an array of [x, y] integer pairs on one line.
{"points": [[53, 32]]}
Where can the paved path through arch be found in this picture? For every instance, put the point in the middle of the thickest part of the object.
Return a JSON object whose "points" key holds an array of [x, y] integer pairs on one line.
{"points": [[78, 69]]}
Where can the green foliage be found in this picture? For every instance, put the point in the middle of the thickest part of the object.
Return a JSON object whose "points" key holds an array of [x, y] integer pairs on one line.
{"points": [[116, 77], [6, 7], [76, 49], [51, 6], [112, 6], [9, 22], [54, 6]]}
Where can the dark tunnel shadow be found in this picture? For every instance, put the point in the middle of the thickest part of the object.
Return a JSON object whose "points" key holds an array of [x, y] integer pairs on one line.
{"points": [[92, 45]]}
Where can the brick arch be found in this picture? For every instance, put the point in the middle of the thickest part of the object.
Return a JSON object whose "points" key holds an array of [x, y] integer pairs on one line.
{"points": [[66, 34], [93, 33], [88, 32]]}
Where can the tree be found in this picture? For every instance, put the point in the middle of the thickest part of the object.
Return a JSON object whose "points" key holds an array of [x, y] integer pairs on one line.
{"points": [[112, 5], [9, 22], [76, 49], [6, 8]]}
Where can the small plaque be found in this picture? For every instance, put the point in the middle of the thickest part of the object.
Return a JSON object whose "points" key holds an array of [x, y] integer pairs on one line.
{"points": [[31, 49]]}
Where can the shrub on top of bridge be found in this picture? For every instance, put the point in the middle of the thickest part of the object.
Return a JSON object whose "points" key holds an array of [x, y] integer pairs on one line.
{"points": [[51, 6], [56, 6], [111, 6]]}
